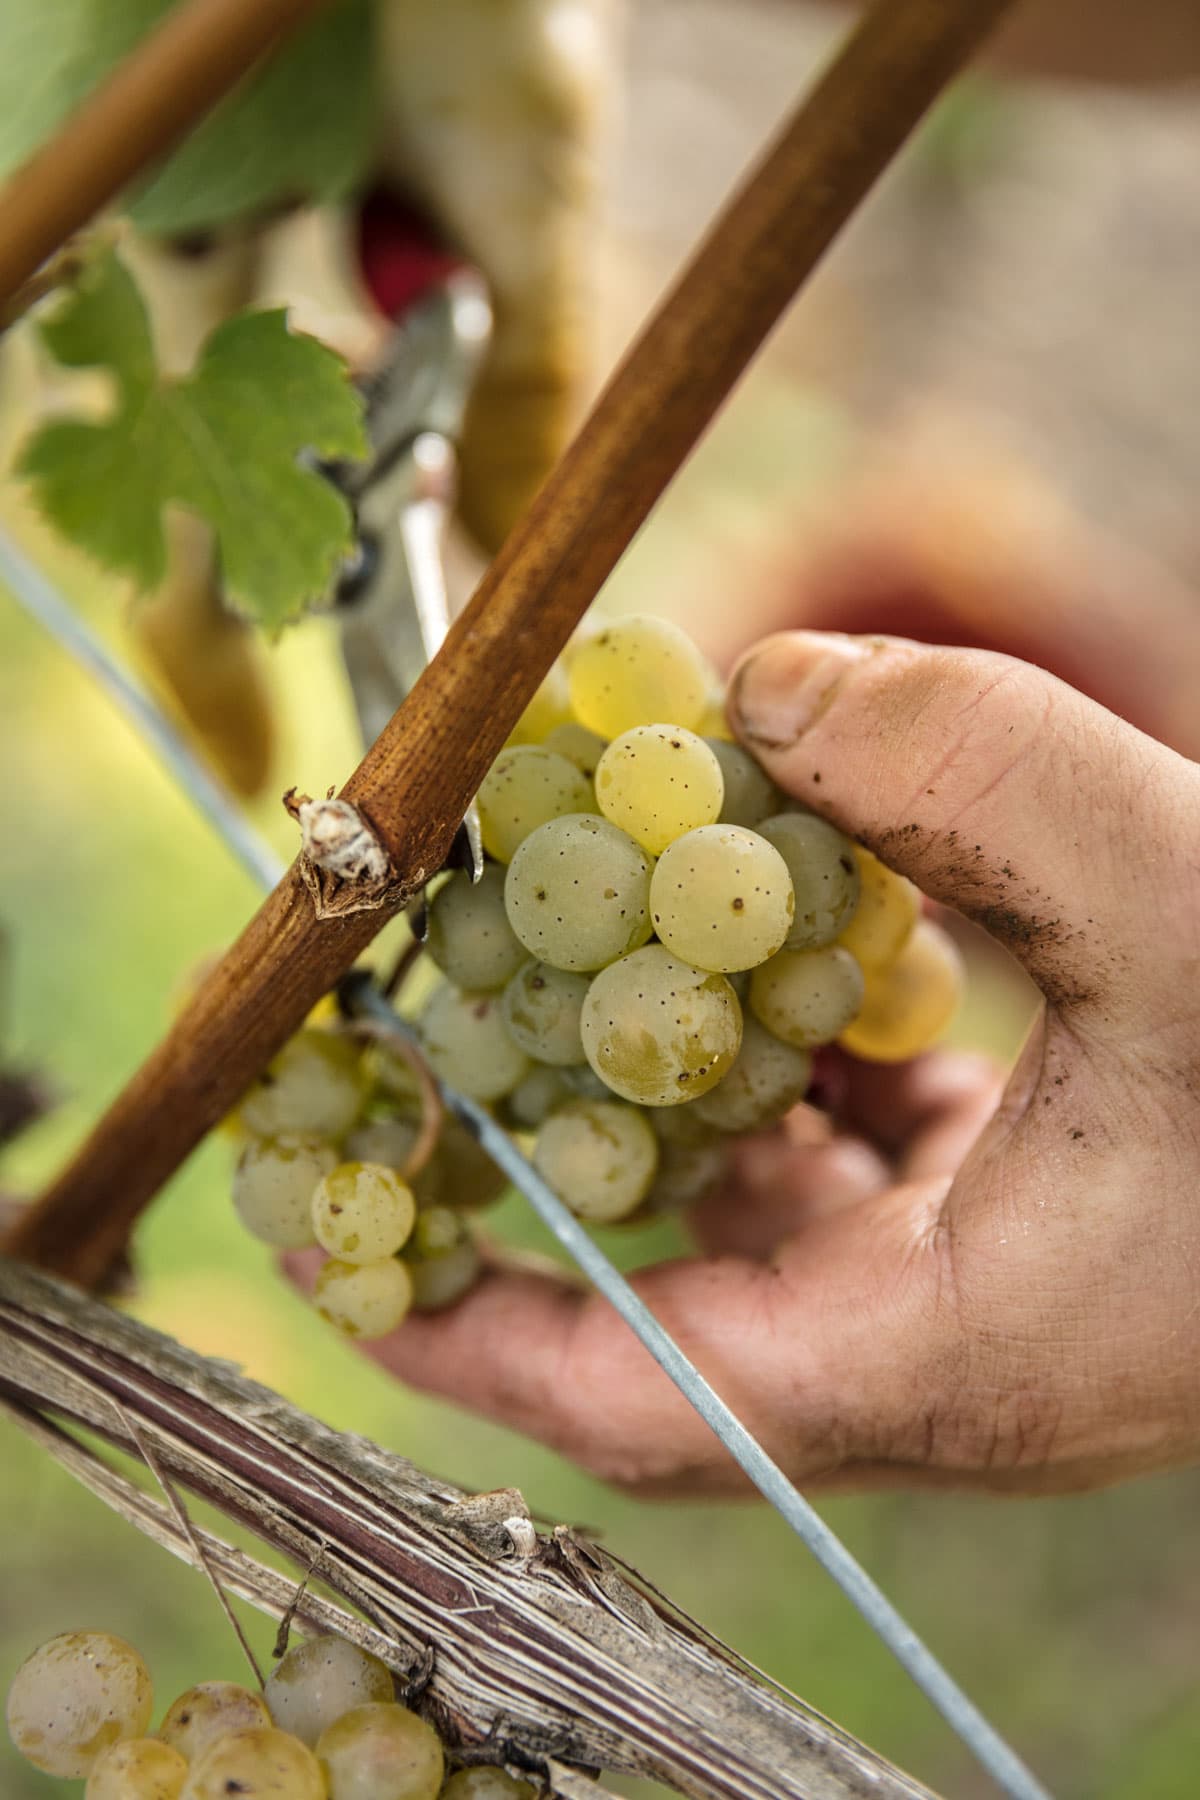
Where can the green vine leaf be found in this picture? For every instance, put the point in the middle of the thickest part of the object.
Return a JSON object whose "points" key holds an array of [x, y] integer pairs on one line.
{"points": [[224, 441], [302, 127]]}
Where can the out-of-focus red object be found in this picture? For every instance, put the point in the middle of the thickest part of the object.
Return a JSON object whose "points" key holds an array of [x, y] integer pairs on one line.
{"points": [[985, 561]]}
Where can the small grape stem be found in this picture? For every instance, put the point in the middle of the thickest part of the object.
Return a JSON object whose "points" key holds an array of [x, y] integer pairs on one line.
{"points": [[547, 1650], [414, 785]]}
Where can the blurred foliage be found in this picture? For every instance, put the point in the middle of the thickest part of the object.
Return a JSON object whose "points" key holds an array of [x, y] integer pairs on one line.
{"points": [[298, 129]]}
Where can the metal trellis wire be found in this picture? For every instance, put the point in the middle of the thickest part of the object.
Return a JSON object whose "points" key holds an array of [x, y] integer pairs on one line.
{"points": [[39, 598]]}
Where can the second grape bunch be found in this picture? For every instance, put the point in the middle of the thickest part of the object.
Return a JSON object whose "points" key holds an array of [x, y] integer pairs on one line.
{"points": [[659, 941]]}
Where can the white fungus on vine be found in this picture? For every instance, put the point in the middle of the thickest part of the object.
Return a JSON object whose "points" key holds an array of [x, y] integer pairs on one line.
{"points": [[335, 837]]}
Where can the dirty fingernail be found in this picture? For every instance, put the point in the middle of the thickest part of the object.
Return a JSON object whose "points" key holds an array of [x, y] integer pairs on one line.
{"points": [[785, 685]]}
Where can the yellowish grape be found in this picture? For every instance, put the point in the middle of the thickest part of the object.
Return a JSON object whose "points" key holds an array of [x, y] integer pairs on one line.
{"points": [[634, 671], [486, 1783], [256, 1763], [659, 1031], [550, 707], [74, 1698], [657, 781], [137, 1769], [888, 908], [365, 1300], [908, 1003], [204, 1713], [362, 1212]]}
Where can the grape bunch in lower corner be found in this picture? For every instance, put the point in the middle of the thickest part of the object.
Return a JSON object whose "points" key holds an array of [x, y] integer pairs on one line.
{"points": [[659, 941], [326, 1726]]}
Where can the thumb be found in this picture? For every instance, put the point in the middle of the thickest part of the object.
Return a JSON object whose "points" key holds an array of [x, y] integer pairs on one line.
{"points": [[993, 785]]}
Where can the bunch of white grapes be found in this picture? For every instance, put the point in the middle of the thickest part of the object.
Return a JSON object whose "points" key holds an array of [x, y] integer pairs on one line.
{"points": [[326, 1726], [659, 941]]}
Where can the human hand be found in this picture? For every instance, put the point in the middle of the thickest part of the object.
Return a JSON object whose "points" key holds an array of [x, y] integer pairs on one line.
{"points": [[956, 1296]]}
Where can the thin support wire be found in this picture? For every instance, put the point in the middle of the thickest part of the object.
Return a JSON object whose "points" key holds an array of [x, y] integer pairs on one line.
{"points": [[987, 1746], [31, 589], [935, 1682]]}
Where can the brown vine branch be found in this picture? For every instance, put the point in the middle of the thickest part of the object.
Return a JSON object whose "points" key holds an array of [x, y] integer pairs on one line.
{"points": [[539, 1647], [152, 99], [414, 785]]}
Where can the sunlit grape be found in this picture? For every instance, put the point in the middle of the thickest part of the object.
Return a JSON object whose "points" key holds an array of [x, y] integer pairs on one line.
{"points": [[657, 781], [634, 671], [137, 1769], [888, 908], [257, 1763]]}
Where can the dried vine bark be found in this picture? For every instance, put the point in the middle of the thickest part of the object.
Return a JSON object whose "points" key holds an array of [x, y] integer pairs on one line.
{"points": [[414, 785], [540, 1646]]}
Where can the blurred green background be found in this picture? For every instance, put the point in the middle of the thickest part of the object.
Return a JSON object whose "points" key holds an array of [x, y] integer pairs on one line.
{"points": [[1071, 1621]]}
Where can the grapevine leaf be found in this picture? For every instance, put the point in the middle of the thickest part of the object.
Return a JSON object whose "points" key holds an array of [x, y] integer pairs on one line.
{"points": [[302, 128], [224, 441]]}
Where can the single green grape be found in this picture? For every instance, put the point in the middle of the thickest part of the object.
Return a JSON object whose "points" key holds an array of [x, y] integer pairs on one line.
{"points": [[137, 1769], [259, 1762], [807, 997], [599, 1157], [542, 1007], [824, 872], [316, 1681], [767, 1079], [467, 1043], [362, 1212], [470, 938], [273, 1186], [750, 794], [578, 893], [381, 1752], [526, 787], [658, 1030]]}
